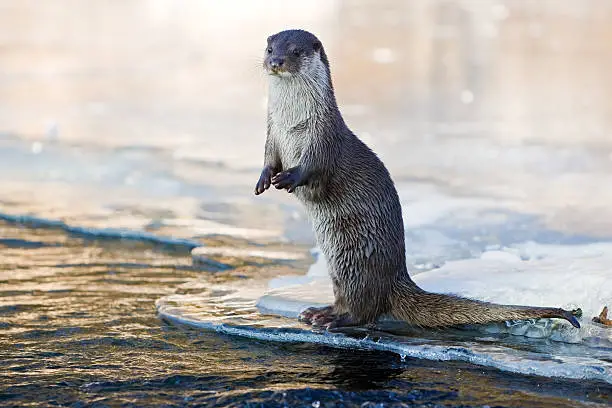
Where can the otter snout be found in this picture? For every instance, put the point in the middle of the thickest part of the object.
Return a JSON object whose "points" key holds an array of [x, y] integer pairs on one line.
{"points": [[276, 63]]}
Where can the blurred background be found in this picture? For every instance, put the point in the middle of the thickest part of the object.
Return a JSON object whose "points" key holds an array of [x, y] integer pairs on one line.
{"points": [[151, 114]]}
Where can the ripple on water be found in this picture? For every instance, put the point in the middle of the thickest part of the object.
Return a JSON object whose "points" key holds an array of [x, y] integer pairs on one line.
{"points": [[100, 342]]}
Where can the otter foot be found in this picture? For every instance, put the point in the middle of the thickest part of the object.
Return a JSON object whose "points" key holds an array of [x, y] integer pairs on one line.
{"points": [[344, 320], [312, 313], [326, 317]]}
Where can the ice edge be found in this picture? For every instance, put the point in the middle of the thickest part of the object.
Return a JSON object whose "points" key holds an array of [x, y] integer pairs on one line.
{"points": [[426, 352], [116, 233]]}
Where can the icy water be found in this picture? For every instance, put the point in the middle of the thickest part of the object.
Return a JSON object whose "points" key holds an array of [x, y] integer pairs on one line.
{"points": [[137, 268], [80, 328]]}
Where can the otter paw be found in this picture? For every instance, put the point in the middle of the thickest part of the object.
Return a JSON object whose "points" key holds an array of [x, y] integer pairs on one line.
{"points": [[265, 179], [326, 318], [288, 179], [309, 315], [343, 320]]}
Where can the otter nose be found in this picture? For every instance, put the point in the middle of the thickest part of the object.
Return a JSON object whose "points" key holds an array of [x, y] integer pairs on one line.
{"points": [[276, 62]]}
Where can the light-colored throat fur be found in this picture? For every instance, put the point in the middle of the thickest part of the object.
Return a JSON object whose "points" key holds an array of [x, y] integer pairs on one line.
{"points": [[295, 98]]}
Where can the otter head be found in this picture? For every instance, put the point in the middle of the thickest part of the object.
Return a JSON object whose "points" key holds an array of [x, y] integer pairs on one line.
{"points": [[294, 52]]}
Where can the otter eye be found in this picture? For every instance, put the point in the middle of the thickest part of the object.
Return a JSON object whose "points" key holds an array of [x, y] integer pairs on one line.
{"points": [[269, 50], [296, 53]]}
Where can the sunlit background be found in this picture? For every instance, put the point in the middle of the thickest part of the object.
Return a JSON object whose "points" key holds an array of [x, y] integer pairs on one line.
{"points": [[105, 100], [146, 120]]}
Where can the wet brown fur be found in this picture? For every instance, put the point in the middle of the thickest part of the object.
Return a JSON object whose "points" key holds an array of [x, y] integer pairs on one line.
{"points": [[352, 201]]}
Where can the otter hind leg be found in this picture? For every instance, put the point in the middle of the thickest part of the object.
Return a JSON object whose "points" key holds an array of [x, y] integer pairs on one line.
{"points": [[326, 313]]}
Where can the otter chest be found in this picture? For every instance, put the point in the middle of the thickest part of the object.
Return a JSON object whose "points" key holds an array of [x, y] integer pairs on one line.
{"points": [[290, 138], [290, 108]]}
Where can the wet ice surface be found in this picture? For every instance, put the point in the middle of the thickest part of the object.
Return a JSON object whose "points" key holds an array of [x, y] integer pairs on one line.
{"points": [[561, 276]]}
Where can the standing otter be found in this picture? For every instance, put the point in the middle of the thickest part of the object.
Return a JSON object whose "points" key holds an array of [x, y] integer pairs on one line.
{"points": [[351, 200]]}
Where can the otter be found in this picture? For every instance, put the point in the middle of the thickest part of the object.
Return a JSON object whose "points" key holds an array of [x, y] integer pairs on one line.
{"points": [[351, 201]]}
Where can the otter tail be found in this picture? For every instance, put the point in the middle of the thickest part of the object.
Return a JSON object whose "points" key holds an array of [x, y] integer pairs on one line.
{"points": [[416, 306]]}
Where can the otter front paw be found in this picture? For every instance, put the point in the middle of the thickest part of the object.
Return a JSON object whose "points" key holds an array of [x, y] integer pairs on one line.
{"points": [[288, 179], [264, 181]]}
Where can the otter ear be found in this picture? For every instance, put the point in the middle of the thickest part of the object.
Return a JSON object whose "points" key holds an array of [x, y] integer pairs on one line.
{"points": [[316, 46]]}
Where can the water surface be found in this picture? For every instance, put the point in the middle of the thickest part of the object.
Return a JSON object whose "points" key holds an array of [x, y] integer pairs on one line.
{"points": [[80, 328]]}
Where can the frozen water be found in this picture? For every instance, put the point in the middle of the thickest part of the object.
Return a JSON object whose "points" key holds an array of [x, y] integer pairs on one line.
{"points": [[577, 354], [496, 276]]}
